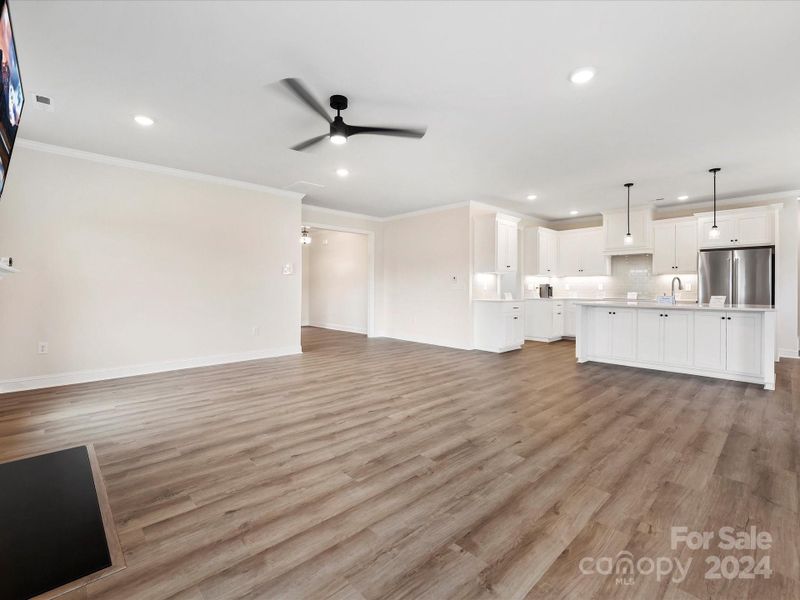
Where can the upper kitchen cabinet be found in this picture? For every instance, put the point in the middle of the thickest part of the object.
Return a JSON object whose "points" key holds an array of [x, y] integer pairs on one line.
{"points": [[739, 227], [496, 243], [541, 251], [615, 226], [580, 252], [674, 246]]}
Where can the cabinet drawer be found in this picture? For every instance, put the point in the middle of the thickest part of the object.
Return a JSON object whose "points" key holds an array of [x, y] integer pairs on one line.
{"points": [[512, 308]]}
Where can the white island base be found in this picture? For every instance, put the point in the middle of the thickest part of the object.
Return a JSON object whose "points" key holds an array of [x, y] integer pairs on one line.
{"points": [[735, 343]]}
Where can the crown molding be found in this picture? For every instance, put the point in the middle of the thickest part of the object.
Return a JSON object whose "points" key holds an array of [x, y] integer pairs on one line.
{"points": [[153, 168], [426, 211], [343, 213]]}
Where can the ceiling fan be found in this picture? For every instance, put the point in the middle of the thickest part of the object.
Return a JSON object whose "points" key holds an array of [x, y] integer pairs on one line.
{"points": [[339, 130]]}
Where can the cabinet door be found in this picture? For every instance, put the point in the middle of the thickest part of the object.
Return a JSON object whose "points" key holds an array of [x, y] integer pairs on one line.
{"points": [[600, 332], [547, 252], [744, 343], [623, 333], [710, 328], [727, 232], [756, 229], [593, 261], [685, 247], [649, 336], [664, 261], [512, 247], [677, 337], [538, 319], [504, 249], [558, 319], [514, 334], [569, 251], [570, 316]]}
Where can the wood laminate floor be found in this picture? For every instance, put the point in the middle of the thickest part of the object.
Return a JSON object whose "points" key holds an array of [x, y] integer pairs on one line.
{"points": [[375, 468]]}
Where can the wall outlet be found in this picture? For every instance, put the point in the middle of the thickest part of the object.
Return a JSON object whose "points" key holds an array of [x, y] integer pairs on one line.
{"points": [[43, 348], [256, 330], [288, 269]]}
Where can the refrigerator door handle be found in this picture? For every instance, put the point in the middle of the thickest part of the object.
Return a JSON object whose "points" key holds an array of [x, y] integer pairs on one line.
{"points": [[734, 280], [731, 267]]}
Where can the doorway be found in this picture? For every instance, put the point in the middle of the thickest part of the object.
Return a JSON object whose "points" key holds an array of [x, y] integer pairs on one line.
{"points": [[336, 280]]}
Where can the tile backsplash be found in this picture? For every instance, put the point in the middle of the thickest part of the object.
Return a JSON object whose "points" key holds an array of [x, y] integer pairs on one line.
{"points": [[628, 274]]}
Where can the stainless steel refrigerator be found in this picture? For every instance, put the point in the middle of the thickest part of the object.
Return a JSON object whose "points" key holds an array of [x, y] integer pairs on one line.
{"points": [[742, 275]]}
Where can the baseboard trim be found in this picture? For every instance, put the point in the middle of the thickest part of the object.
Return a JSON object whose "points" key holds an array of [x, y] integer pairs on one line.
{"points": [[424, 340], [788, 353], [337, 327], [58, 379]]}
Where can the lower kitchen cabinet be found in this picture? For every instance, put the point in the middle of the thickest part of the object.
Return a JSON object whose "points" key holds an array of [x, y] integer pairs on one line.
{"points": [[613, 332], [729, 341], [498, 326], [544, 320], [664, 336]]}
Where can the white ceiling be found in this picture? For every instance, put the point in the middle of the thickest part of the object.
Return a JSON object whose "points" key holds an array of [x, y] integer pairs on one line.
{"points": [[680, 88]]}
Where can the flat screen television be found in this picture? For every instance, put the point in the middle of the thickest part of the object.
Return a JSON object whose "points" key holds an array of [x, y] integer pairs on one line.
{"points": [[11, 95]]}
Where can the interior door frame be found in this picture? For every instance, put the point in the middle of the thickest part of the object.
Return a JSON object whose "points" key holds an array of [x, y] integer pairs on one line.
{"points": [[370, 265]]}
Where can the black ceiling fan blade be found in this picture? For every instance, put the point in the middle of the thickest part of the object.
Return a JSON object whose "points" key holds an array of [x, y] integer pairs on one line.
{"points": [[301, 91], [309, 142], [395, 131]]}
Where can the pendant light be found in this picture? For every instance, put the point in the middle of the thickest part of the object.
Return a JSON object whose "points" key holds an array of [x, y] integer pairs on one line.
{"points": [[305, 236], [713, 233], [628, 239]]}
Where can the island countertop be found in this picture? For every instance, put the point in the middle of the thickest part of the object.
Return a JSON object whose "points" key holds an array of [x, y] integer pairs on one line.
{"points": [[678, 306]]}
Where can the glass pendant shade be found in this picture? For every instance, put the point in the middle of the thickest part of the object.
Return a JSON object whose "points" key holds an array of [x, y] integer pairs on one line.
{"points": [[305, 236], [628, 240], [713, 233]]}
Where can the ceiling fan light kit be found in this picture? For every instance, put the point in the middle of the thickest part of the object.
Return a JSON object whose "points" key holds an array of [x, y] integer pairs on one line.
{"points": [[339, 131]]}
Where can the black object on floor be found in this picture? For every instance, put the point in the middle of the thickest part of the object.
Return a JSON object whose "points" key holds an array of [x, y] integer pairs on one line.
{"points": [[51, 530]]}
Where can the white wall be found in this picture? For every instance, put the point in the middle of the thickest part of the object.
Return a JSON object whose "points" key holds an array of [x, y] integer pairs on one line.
{"points": [[128, 270], [335, 266], [421, 254]]}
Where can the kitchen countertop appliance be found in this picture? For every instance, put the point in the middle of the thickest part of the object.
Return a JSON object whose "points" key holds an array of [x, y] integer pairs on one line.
{"points": [[545, 290], [742, 275]]}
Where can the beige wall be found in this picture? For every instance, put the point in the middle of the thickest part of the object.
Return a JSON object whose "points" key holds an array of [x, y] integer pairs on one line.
{"points": [[421, 254], [335, 270], [127, 270]]}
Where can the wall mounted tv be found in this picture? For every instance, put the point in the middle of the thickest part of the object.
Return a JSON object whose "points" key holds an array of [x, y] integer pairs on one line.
{"points": [[11, 95]]}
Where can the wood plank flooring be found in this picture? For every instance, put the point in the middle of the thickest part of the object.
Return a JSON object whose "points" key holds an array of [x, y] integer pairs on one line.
{"points": [[374, 468]]}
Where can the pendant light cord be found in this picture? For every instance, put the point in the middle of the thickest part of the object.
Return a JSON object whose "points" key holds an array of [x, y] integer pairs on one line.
{"points": [[714, 172], [629, 210]]}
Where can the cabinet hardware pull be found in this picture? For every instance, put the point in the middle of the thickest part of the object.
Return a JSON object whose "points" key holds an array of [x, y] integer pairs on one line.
{"points": [[729, 318], [723, 318], [515, 318]]}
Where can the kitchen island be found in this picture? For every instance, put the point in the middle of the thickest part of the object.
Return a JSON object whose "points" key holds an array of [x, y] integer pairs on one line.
{"points": [[733, 342]]}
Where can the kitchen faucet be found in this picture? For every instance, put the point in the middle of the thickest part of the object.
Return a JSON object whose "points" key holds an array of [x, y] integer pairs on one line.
{"points": [[680, 285]]}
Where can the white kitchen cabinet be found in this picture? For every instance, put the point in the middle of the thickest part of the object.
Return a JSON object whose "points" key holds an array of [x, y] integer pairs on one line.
{"points": [[729, 341], [743, 343], [496, 244], [664, 336], [615, 226], [540, 252], [570, 318], [498, 325], [675, 246], [544, 320], [737, 344], [613, 333], [738, 227], [580, 252], [709, 340]]}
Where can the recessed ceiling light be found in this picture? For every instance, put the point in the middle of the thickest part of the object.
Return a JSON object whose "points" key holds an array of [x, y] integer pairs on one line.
{"points": [[683, 197], [531, 196], [342, 172], [582, 75], [143, 120], [573, 212]]}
